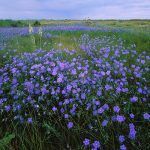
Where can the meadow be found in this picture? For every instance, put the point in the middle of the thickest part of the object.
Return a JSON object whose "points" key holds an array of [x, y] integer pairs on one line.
{"points": [[74, 85]]}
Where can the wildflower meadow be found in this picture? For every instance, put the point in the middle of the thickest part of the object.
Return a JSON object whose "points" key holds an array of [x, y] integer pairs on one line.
{"points": [[74, 87]]}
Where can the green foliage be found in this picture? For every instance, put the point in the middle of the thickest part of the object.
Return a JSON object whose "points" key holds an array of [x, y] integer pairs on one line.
{"points": [[5, 141], [12, 23], [17, 24], [50, 129], [36, 23]]}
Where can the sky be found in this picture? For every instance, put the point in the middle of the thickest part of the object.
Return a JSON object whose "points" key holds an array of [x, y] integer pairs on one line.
{"points": [[74, 9]]}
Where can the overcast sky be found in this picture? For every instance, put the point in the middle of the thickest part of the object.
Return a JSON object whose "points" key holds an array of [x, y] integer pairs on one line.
{"points": [[74, 9]]}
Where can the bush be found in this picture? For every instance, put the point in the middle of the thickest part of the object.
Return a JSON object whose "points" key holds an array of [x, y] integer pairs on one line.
{"points": [[36, 23], [17, 24]]}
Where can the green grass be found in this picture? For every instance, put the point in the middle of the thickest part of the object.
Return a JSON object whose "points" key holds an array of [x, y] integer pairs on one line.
{"points": [[67, 40], [101, 23]]}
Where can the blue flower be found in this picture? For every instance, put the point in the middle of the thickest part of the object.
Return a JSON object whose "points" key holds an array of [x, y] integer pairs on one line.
{"points": [[83, 96], [146, 116], [66, 116], [132, 132], [86, 142], [100, 110], [105, 106], [29, 120], [108, 87], [8, 108], [120, 118], [70, 125], [131, 115], [116, 109], [121, 138], [134, 99], [59, 80], [96, 144], [104, 123], [123, 147], [54, 109]]}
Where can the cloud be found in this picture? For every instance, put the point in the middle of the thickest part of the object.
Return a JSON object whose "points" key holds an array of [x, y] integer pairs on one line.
{"points": [[78, 9], [121, 10]]}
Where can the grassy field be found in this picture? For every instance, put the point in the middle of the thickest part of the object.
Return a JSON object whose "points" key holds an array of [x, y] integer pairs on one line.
{"points": [[100, 23], [76, 90]]}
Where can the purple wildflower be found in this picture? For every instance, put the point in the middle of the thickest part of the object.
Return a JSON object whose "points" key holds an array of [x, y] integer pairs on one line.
{"points": [[54, 109], [103, 73], [146, 116], [140, 90], [116, 109], [29, 86], [131, 115], [66, 116], [100, 110], [7, 108], [44, 90], [14, 81], [118, 89], [70, 125], [86, 142], [29, 120], [73, 72], [69, 87], [143, 61], [59, 80], [105, 106], [120, 118], [132, 132], [108, 72], [62, 110], [54, 72], [83, 96], [96, 144], [134, 99], [121, 138], [97, 103], [62, 66], [104, 123], [113, 118], [108, 87], [123, 147], [99, 93]]}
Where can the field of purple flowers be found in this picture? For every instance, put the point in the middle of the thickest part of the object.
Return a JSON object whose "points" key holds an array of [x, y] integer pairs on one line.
{"points": [[96, 97]]}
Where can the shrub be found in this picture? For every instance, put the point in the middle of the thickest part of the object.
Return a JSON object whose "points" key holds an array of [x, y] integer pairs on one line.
{"points": [[36, 23]]}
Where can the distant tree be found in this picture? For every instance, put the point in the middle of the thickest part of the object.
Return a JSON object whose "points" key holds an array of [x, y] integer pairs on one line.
{"points": [[17, 24], [36, 23], [14, 24]]}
